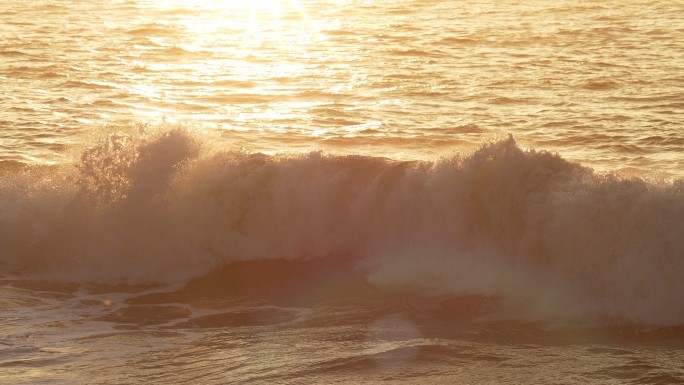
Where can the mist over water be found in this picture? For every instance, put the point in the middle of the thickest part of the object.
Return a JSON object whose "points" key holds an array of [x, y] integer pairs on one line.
{"points": [[340, 191], [524, 226]]}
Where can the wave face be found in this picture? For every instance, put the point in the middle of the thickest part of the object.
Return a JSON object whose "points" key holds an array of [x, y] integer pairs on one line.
{"points": [[548, 238]]}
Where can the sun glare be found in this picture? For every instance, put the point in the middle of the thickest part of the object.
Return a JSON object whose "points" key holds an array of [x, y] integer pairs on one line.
{"points": [[227, 4], [281, 26], [254, 15]]}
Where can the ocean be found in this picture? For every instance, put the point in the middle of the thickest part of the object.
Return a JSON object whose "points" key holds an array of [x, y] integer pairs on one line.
{"points": [[341, 191]]}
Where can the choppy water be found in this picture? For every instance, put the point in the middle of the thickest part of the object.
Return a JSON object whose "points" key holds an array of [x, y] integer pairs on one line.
{"points": [[599, 82], [317, 191]]}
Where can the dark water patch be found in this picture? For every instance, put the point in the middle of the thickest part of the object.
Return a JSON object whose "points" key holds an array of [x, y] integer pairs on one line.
{"points": [[95, 288], [624, 148], [275, 282], [340, 32], [105, 103], [611, 351], [462, 129], [660, 379], [661, 140], [51, 75], [334, 113], [415, 52], [20, 23], [638, 372], [643, 99], [676, 106], [600, 85], [13, 53], [502, 100], [232, 83], [84, 84]]}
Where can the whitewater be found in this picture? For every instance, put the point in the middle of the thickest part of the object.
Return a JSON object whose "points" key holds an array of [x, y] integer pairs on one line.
{"points": [[341, 191]]}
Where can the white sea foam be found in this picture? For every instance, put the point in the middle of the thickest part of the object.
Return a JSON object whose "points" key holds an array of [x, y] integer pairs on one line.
{"points": [[544, 235]]}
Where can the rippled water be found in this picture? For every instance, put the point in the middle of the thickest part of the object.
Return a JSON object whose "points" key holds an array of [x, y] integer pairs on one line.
{"points": [[598, 82], [166, 216]]}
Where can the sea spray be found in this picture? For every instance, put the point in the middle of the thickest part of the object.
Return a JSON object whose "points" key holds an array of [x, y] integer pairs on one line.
{"points": [[546, 237]]}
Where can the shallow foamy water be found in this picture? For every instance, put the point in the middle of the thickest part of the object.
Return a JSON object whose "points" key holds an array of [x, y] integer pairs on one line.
{"points": [[216, 333]]}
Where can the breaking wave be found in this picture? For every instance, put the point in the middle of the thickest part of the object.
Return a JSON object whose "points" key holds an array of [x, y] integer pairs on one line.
{"points": [[547, 237]]}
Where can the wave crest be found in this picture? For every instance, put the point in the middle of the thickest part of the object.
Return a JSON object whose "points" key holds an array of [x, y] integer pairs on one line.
{"points": [[548, 237]]}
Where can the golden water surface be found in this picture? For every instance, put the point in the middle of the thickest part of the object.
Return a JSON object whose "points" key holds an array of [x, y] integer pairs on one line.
{"points": [[598, 81]]}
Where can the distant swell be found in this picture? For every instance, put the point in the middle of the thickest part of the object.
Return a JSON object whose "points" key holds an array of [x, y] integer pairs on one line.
{"points": [[547, 237]]}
